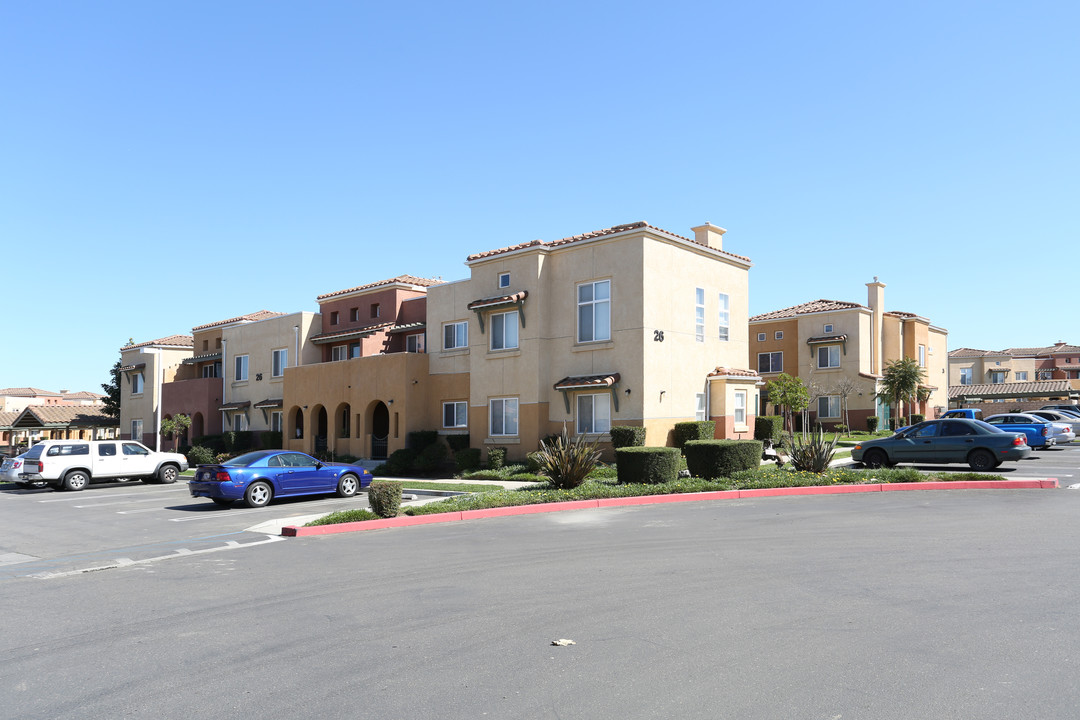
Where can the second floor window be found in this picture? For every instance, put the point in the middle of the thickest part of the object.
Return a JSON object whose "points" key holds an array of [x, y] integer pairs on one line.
{"points": [[278, 361], [375, 312], [997, 377], [455, 335], [965, 376], [594, 311], [137, 383], [770, 362], [354, 314], [922, 356], [504, 331], [1022, 375], [504, 280], [334, 318], [828, 357], [699, 314], [339, 352], [414, 343], [725, 316], [241, 367]]}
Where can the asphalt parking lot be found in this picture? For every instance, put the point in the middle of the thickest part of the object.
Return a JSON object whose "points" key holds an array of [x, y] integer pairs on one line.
{"points": [[1062, 463]]}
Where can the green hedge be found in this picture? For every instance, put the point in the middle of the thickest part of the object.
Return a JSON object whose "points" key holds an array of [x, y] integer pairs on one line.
{"points": [[432, 457], [200, 455], [916, 418], [647, 464], [401, 461], [872, 423], [695, 430], [713, 459], [420, 439], [385, 498], [496, 457], [627, 436], [467, 459], [457, 442], [769, 427], [270, 440]]}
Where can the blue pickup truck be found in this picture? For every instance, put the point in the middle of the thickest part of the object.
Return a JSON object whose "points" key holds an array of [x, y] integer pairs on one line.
{"points": [[1038, 431], [967, 413]]}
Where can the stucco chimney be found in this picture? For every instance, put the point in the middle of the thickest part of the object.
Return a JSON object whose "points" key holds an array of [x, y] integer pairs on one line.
{"points": [[875, 299], [709, 234]]}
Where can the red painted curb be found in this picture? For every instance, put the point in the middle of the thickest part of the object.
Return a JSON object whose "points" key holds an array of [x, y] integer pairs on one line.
{"points": [[407, 520]]}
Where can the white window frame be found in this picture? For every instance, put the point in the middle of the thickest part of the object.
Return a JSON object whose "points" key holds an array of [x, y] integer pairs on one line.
{"points": [[137, 430], [279, 360], [830, 351], [239, 422], [740, 407], [354, 350], [771, 354], [778, 335], [138, 383], [240, 368], [594, 308], [699, 314], [339, 353], [509, 409], [1021, 375], [701, 412], [460, 410], [414, 343], [922, 356], [966, 376], [503, 326], [456, 335], [761, 337], [828, 328], [277, 421], [593, 414], [724, 317], [504, 280], [832, 407]]}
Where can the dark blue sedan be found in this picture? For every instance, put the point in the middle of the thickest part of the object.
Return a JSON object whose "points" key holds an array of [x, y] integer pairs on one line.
{"points": [[258, 477]]}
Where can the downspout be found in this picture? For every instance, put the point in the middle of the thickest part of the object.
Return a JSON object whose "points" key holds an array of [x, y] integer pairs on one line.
{"points": [[296, 335], [159, 372], [224, 374]]}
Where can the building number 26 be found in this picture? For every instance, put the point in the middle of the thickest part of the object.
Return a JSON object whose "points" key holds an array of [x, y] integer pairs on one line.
{"points": [[658, 335]]}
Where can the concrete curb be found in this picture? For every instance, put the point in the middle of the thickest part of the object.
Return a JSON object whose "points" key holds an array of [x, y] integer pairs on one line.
{"points": [[407, 520]]}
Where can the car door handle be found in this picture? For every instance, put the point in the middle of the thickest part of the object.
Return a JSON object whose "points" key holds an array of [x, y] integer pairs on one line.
{"points": [[970, 442], [925, 442]]}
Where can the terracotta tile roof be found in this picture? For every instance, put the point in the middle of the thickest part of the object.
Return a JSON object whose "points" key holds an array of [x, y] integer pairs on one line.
{"points": [[1038, 387], [205, 357], [27, 392], [83, 395], [814, 306], [399, 280], [172, 341], [364, 331], [6, 418], [732, 372], [407, 327], [614, 230], [45, 415], [587, 381], [1058, 348], [870, 376], [250, 317], [129, 368], [269, 403], [242, 405], [826, 338], [498, 300], [971, 352]]}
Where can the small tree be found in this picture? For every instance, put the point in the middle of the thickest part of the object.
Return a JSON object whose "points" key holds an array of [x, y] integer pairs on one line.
{"points": [[111, 401], [900, 382], [175, 427], [789, 394], [844, 387]]}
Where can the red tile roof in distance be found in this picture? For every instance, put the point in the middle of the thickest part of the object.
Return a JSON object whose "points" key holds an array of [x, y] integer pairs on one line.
{"points": [[614, 230], [399, 280], [172, 341], [27, 392], [814, 306], [250, 317], [732, 372]]}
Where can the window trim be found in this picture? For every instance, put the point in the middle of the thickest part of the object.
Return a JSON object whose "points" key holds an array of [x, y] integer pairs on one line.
{"points": [[827, 328], [770, 355], [593, 304], [830, 399], [239, 360], [740, 408], [778, 335], [501, 336], [724, 318], [592, 423], [762, 336], [504, 277], [455, 403], [829, 352], [491, 416], [453, 327], [699, 314], [284, 352]]}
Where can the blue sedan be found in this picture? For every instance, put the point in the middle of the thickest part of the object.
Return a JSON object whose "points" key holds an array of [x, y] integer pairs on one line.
{"points": [[258, 477], [980, 445]]}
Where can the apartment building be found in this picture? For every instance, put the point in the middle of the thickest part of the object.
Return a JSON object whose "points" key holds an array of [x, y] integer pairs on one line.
{"points": [[1026, 377], [145, 368], [839, 350]]}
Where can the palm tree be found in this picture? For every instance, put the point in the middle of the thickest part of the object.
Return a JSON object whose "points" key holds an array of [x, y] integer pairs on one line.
{"points": [[900, 382]]}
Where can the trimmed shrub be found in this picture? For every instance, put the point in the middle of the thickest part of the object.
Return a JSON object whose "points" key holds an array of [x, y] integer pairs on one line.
{"points": [[270, 440], [385, 498], [769, 427], [711, 459], [380, 470], [872, 423], [916, 418], [467, 459], [647, 464], [432, 457], [567, 462], [496, 457], [420, 439], [627, 436], [215, 442], [694, 430], [457, 442], [200, 455], [899, 422], [533, 460], [401, 461], [840, 428]]}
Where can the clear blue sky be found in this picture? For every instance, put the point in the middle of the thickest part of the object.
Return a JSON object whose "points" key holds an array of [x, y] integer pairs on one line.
{"points": [[165, 165]]}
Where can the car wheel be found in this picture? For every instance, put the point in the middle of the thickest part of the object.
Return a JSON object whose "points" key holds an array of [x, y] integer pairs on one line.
{"points": [[76, 480], [223, 502], [875, 458], [258, 494], [982, 460], [168, 473], [347, 485]]}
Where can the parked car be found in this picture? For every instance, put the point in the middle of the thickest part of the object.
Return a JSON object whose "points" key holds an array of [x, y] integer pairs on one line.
{"points": [[969, 413], [980, 445], [1039, 433], [10, 469], [1070, 408], [260, 476], [74, 464]]}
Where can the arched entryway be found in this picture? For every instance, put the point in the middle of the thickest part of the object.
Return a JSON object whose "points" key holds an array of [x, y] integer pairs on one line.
{"points": [[343, 420], [320, 424], [380, 430], [198, 427], [296, 423]]}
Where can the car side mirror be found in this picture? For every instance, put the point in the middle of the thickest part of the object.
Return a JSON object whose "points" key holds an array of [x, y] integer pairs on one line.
{"points": [[318, 465]]}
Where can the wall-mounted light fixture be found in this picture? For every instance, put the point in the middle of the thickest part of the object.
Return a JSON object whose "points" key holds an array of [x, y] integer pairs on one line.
{"points": [[627, 391], [389, 402]]}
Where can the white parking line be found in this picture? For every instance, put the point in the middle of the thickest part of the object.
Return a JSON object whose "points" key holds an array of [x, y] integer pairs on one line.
{"points": [[76, 497], [231, 513]]}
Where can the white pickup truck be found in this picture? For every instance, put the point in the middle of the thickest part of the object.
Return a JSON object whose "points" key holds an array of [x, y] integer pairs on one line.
{"points": [[74, 464]]}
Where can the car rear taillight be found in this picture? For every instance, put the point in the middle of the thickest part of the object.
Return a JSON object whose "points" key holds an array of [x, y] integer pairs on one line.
{"points": [[1045, 431], [222, 476], [1020, 440]]}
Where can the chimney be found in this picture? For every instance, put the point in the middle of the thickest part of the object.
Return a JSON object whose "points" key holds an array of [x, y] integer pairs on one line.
{"points": [[876, 301], [710, 235]]}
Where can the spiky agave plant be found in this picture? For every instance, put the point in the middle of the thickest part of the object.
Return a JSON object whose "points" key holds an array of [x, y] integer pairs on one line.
{"points": [[813, 453], [565, 461]]}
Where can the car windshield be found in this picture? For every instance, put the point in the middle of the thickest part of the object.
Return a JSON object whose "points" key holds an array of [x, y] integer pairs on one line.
{"points": [[34, 453], [246, 459]]}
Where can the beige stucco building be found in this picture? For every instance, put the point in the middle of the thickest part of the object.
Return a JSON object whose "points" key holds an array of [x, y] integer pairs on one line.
{"points": [[145, 368], [840, 348]]}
